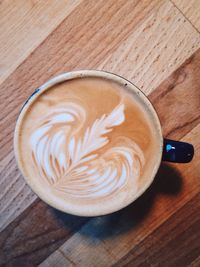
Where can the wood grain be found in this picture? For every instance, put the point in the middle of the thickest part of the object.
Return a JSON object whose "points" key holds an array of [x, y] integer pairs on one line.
{"points": [[155, 49], [63, 50], [15, 195], [146, 42], [53, 229], [67, 44], [178, 99], [24, 25], [135, 219], [191, 10], [163, 241], [104, 238], [175, 242]]}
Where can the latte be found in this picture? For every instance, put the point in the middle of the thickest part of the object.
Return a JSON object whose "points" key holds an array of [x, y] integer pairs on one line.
{"points": [[88, 145]]}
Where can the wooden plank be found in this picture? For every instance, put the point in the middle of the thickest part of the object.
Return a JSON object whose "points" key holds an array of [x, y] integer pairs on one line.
{"points": [[24, 25], [160, 248], [182, 228], [175, 89], [106, 240], [99, 36], [195, 263], [61, 51], [27, 77], [167, 202], [191, 10], [62, 261], [155, 49], [15, 194], [36, 233], [178, 99]]}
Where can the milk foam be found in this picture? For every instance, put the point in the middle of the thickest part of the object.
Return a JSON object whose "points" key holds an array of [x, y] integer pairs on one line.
{"points": [[74, 165]]}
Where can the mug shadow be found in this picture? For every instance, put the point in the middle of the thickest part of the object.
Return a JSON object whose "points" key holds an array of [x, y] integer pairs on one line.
{"points": [[167, 181]]}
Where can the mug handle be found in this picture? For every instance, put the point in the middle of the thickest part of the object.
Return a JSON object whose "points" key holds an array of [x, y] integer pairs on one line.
{"points": [[176, 151]]}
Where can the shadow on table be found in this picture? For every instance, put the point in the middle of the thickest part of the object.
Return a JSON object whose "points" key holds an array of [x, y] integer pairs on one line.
{"points": [[167, 181]]}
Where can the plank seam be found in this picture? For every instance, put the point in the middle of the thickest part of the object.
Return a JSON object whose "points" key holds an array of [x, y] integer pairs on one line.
{"points": [[184, 16]]}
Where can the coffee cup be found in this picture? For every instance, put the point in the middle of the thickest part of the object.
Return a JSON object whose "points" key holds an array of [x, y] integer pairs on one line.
{"points": [[90, 143]]}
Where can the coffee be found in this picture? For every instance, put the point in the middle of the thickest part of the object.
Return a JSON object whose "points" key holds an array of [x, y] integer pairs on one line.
{"points": [[87, 145]]}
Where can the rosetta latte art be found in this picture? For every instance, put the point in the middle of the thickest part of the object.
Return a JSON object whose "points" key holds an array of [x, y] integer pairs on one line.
{"points": [[73, 165]]}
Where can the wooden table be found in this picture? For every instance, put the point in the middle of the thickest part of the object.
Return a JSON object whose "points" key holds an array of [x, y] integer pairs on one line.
{"points": [[153, 43]]}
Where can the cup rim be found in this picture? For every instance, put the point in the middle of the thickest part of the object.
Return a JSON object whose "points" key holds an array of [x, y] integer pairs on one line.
{"points": [[81, 74]]}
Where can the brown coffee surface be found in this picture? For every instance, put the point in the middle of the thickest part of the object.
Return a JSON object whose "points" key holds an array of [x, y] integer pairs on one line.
{"points": [[87, 145]]}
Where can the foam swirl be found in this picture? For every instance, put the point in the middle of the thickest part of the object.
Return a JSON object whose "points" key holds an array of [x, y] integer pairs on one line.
{"points": [[73, 165]]}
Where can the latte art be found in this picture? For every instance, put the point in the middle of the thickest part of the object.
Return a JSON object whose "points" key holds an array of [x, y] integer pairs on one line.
{"points": [[88, 143], [70, 161]]}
